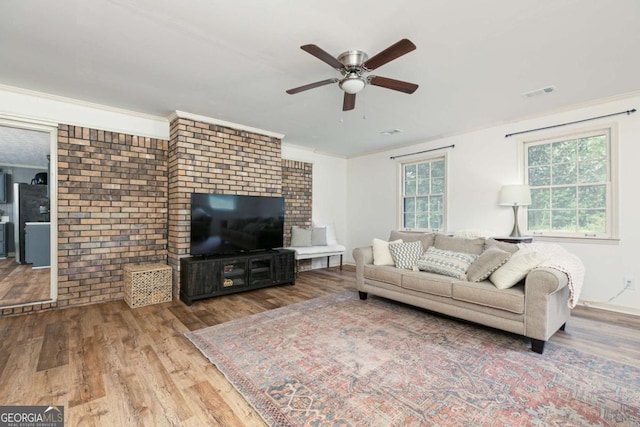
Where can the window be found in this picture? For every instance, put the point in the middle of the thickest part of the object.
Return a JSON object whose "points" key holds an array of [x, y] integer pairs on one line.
{"points": [[423, 194], [572, 185]]}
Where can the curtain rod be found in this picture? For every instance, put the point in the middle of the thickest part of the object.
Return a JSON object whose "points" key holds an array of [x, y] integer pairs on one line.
{"points": [[628, 112], [420, 152]]}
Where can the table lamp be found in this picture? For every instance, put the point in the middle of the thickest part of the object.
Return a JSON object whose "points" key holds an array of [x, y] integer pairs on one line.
{"points": [[516, 196]]}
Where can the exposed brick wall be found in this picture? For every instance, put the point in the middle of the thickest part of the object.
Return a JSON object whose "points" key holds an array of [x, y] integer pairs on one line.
{"points": [[126, 199], [27, 309], [207, 158], [297, 181], [296, 189], [112, 210]]}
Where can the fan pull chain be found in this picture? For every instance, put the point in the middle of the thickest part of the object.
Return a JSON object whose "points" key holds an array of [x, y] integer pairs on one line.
{"points": [[364, 105]]}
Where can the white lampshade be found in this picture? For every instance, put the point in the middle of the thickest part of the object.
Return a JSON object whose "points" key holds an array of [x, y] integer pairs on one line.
{"points": [[352, 84], [515, 195]]}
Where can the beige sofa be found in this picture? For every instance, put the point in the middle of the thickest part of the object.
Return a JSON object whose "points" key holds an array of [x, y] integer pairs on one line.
{"points": [[535, 308]]}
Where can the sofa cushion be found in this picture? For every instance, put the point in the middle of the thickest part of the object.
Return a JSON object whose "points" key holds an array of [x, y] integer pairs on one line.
{"points": [[430, 283], [516, 268], [406, 254], [484, 293], [307, 252], [449, 263], [459, 244], [386, 274], [427, 239], [488, 262], [381, 253]]}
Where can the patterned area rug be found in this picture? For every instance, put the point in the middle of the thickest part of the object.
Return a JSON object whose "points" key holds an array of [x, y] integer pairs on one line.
{"points": [[339, 361]]}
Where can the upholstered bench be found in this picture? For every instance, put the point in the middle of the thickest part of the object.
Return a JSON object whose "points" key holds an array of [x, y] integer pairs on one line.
{"points": [[309, 252], [316, 242]]}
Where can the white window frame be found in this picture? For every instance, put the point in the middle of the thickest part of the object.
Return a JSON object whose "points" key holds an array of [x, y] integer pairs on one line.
{"points": [[400, 203], [611, 229]]}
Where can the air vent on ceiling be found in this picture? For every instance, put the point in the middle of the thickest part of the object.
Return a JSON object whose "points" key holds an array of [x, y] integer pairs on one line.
{"points": [[540, 91], [390, 132]]}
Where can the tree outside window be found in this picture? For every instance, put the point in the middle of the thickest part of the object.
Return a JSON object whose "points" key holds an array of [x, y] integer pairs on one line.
{"points": [[570, 179]]}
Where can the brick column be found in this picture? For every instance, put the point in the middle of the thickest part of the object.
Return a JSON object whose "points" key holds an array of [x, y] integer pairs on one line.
{"points": [[208, 158]]}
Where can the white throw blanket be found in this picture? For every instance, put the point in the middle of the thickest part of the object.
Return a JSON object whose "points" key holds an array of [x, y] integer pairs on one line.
{"points": [[558, 258]]}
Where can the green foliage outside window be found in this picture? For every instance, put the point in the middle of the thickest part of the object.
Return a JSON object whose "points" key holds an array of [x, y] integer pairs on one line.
{"points": [[568, 181]]}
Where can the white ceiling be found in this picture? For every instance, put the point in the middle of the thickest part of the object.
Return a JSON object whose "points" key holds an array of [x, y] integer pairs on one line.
{"points": [[233, 60]]}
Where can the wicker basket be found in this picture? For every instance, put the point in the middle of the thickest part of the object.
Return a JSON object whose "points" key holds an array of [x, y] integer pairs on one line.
{"points": [[146, 284]]}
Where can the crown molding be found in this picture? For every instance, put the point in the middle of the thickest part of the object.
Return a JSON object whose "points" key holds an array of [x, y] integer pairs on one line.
{"points": [[204, 119], [79, 102], [32, 106]]}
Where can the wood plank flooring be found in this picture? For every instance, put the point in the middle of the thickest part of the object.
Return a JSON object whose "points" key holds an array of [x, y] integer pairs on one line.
{"points": [[112, 365], [21, 283]]}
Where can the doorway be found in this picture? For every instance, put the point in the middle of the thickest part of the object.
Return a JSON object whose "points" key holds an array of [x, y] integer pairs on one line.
{"points": [[28, 194]]}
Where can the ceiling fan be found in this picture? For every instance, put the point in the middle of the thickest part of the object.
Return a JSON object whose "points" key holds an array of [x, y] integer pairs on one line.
{"points": [[353, 64]]}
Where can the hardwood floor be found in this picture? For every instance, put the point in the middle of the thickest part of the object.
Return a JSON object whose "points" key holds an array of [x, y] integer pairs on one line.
{"points": [[112, 365], [21, 283]]}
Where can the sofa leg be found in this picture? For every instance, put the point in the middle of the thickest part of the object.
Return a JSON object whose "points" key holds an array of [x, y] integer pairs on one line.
{"points": [[363, 295], [537, 345], [563, 327]]}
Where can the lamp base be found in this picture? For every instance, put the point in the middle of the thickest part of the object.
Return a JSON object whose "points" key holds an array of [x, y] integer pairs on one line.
{"points": [[516, 230]]}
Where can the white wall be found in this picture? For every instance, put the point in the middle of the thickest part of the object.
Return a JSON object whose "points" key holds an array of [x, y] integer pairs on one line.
{"points": [[481, 162]]}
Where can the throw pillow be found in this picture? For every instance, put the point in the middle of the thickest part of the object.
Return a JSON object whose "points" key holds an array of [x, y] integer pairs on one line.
{"points": [[319, 236], [300, 237], [332, 239], [449, 263], [406, 254], [488, 262], [516, 268], [381, 253], [505, 246], [459, 244]]}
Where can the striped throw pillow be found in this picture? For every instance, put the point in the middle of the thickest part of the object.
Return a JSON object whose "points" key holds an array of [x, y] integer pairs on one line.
{"points": [[448, 263], [405, 254]]}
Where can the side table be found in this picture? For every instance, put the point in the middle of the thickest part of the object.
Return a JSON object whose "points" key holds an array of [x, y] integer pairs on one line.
{"points": [[146, 284], [512, 239]]}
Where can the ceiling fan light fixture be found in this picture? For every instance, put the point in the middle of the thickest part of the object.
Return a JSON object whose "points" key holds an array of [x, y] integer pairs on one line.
{"points": [[352, 83]]}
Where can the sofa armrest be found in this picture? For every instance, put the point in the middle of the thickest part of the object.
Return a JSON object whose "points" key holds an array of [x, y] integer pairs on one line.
{"points": [[362, 257], [546, 302]]}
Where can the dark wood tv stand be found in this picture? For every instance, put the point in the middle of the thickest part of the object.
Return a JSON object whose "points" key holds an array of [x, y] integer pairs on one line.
{"points": [[205, 277]]}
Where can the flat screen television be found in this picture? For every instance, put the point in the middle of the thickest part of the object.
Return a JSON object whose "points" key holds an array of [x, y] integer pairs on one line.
{"points": [[225, 223]]}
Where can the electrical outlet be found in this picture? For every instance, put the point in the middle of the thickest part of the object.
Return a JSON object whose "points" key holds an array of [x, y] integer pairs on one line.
{"points": [[630, 283]]}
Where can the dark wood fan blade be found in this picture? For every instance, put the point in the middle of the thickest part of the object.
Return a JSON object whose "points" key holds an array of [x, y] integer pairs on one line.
{"points": [[388, 83], [349, 102], [311, 86], [322, 55], [402, 47]]}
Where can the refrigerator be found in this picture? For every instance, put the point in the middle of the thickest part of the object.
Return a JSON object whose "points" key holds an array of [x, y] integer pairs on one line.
{"points": [[27, 199]]}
